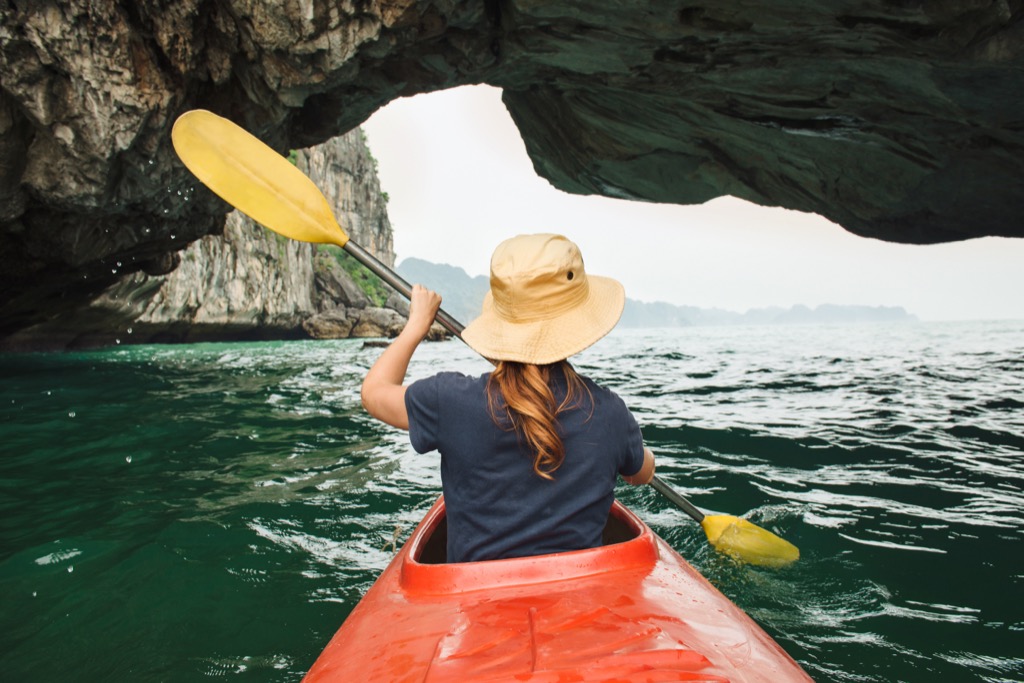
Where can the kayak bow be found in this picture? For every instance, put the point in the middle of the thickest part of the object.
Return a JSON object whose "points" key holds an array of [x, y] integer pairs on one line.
{"points": [[631, 610]]}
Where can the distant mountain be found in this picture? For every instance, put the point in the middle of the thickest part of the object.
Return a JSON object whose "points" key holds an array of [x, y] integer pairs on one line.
{"points": [[463, 296]]}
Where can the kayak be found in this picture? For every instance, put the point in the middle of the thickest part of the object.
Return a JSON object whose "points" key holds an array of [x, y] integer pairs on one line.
{"points": [[631, 610]]}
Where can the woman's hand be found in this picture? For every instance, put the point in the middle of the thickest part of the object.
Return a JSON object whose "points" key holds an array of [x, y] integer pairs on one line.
{"points": [[423, 306]]}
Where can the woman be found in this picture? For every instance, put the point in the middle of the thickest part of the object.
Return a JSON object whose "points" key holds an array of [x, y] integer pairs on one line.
{"points": [[530, 452]]}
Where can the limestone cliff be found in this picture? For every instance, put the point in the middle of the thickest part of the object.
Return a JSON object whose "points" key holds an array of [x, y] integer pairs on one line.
{"points": [[898, 120], [249, 283]]}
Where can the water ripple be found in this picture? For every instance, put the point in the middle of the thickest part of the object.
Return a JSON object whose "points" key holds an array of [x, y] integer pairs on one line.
{"points": [[188, 501]]}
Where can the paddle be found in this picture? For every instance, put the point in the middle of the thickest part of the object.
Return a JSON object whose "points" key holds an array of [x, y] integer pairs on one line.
{"points": [[264, 185]]}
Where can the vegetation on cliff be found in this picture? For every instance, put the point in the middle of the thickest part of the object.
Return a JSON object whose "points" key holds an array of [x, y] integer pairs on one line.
{"points": [[371, 285]]}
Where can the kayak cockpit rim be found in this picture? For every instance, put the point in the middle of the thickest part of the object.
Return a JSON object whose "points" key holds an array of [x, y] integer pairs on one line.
{"points": [[629, 544]]}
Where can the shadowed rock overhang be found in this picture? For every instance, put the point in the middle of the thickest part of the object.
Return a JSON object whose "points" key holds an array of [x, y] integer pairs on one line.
{"points": [[902, 121]]}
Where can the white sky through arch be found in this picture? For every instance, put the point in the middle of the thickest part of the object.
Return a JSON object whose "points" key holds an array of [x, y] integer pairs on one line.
{"points": [[459, 182]]}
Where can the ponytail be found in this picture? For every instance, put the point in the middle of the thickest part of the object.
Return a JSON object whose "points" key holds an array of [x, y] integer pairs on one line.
{"points": [[520, 398]]}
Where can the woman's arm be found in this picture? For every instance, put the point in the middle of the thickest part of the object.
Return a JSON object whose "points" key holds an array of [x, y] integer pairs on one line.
{"points": [[383, 391], [646, 472]]}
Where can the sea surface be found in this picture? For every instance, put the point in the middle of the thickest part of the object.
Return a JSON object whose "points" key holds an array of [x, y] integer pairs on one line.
{"points": [[184, 513]]}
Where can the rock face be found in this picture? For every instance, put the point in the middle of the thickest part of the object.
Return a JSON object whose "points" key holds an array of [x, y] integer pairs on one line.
{"points": [[249, 283], [898, 120]]}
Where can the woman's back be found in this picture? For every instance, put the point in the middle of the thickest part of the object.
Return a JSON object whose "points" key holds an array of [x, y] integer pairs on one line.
{"points": [[498, 505]]}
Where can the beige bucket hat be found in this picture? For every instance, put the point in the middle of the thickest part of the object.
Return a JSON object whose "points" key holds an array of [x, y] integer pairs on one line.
{"points": [[542, 306]]}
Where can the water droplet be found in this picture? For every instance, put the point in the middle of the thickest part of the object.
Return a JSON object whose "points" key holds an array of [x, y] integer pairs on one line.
{"points": [[113, 270], [129, 330], [117, 341], [34, 594], [118, 264], [172, 235], [71, 569], [71, 414], [179, 193], [166, 211], [128, 459], [150, 162]]}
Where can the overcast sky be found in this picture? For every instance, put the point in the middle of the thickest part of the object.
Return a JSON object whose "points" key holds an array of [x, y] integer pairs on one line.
{"points": [[460, 181]]}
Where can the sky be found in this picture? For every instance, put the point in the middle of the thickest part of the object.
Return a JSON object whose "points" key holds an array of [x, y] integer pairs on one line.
{"points": [[460, 182]]}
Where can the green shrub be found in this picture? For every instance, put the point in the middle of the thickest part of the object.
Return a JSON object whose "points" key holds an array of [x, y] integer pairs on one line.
{"points": [[371, 285]]}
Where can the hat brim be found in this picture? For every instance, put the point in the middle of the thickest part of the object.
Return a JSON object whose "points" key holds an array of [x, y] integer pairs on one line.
{"points": [[548, 341]]}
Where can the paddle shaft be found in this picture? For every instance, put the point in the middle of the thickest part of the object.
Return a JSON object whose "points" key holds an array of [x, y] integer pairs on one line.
{"points": [[672, 495], [261, 183], [455, 327]]}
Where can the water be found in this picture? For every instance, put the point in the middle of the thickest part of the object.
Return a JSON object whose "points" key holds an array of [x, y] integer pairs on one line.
{"points": [[215, 511]]}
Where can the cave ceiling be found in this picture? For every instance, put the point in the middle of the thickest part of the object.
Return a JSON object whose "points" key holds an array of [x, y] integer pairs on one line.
{"points": [[901, 121]]}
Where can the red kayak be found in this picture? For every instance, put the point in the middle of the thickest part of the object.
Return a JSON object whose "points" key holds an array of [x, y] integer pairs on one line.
{"points": [[632, 610]]}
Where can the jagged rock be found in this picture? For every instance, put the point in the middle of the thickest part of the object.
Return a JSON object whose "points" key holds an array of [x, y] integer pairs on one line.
{"points": [[897, 120], [378, 322], [332, 324], [248, 283], [246, 278], [386, 322], [334, 286], [397, 302]]}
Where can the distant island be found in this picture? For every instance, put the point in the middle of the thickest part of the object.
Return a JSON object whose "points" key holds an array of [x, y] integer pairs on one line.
{"points": [[463, 296], [660, 314]]}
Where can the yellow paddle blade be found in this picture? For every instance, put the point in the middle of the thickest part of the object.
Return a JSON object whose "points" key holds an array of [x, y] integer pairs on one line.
{"points": [[748, 542], [254, 178]]}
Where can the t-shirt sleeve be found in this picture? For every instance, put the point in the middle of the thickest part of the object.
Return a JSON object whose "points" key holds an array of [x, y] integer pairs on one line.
{"points": [[421, 403], [633, 446]]}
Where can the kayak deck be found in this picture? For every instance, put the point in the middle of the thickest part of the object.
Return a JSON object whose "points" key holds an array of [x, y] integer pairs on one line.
{"points": [[631, 610]]}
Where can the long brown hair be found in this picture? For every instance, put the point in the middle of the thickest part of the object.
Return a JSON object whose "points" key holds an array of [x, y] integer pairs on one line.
{"points": [[519, 397]]}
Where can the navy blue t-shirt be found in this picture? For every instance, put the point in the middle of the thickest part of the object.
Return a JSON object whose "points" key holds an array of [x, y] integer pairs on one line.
{"points": [[497, 506]]}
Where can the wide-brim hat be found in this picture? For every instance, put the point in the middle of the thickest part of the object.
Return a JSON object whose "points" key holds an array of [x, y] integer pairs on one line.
{"points": [[543, 306]]}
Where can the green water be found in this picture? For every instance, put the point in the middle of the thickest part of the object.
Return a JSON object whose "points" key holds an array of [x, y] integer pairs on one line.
{"points": [[210, 511]]}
